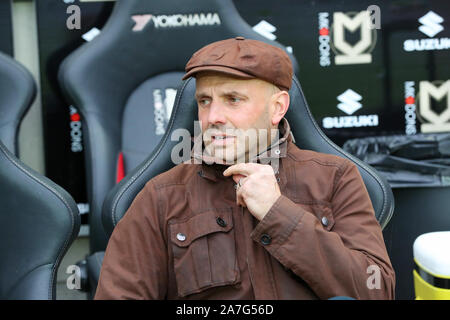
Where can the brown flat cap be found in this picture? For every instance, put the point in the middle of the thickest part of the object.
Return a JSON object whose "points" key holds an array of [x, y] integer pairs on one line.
{"points": [[243, 58]]}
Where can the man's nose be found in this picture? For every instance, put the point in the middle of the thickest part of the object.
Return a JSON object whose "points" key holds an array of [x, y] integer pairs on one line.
{"points": [[216, 114]]}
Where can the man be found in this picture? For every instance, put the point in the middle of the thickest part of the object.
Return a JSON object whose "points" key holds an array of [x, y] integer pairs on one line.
{"points": [[264, 219]]}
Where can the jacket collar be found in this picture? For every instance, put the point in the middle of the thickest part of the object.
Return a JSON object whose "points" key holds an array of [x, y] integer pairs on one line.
{"points": [[212, 170]]}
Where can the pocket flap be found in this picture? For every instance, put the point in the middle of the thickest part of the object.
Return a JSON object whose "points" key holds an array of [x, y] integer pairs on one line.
{"points": [[182, 233]]}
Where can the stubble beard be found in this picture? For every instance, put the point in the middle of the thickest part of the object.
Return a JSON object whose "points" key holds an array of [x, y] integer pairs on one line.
{"points": [[248, 142]]}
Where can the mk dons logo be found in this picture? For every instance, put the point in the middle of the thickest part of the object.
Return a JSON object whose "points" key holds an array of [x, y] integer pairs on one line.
{"points": [[163, 108], [76, 134], [410, 108], [432, 120], [358, 25], [359, 52], [175, 20]]}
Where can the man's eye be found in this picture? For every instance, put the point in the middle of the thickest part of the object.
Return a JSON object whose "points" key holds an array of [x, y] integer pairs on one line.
{"points": [[235, 99], [203, 102]]}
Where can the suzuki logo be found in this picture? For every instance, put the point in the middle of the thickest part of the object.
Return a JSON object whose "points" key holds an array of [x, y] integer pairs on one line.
{"points": [[266, 29], [349, 101], [431, 24]]}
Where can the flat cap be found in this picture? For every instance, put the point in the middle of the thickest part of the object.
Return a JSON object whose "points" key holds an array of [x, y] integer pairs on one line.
{"points": [[243, 58]]}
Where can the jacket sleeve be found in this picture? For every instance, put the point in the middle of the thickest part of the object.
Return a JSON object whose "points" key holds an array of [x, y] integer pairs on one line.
{"points": [[135, 262], [348, 260]]}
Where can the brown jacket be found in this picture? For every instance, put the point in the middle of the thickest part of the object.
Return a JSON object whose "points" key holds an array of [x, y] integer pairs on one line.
{"points": [[185, 237]]}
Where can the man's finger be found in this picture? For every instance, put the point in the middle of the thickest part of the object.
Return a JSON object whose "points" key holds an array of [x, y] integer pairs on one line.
{"points": [[237, 177], [241, 168], [239, 198]]}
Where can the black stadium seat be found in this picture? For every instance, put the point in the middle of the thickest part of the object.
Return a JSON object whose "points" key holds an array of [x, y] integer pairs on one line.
{"points": [[38, 219], [17, 92], [38, 222]]}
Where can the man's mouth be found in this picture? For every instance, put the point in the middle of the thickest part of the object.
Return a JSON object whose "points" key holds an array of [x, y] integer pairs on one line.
{"points": [[220, 140]]}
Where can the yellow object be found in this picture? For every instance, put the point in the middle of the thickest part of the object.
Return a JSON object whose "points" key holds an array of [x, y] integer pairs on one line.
{"points": [[432, 266], [425, 291]]}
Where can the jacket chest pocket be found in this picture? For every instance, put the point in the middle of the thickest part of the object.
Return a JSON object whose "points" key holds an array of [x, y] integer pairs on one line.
{"points": [[204, 251]]}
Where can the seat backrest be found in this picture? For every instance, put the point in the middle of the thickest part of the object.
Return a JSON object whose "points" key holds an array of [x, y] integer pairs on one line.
{"points": [[38, 222], [306, 132], [124, 82], [17, 92]]}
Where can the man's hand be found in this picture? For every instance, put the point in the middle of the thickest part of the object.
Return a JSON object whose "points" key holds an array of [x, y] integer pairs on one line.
{"points": [[257, 187]]}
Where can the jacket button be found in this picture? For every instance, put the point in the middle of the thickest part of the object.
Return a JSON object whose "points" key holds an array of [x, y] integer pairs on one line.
{"points": [[181, 236], [325, 221], [266, 239], [221, 222]]}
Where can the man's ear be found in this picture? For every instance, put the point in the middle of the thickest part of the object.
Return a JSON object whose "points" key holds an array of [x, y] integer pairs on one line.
{"points": [[280, 106]]}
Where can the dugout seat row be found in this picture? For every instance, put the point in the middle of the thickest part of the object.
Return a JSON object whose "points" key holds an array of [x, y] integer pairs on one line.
{"points": [[126, 85]]}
